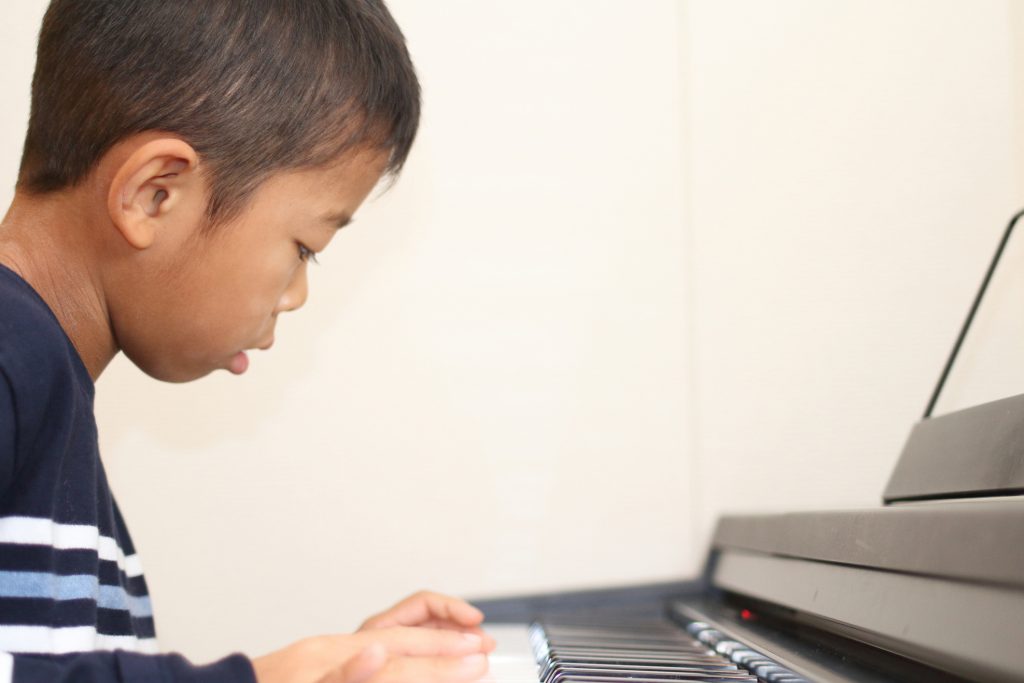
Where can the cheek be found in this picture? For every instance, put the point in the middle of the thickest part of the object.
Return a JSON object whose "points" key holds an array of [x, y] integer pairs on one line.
{"points": [[178, 322], [250, 296]]}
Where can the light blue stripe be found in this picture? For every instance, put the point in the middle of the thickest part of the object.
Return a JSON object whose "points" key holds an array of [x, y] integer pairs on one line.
{"points": [[75, 587]]}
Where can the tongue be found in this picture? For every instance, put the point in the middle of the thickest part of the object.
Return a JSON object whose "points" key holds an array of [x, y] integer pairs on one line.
{"points": [[239, 363]]}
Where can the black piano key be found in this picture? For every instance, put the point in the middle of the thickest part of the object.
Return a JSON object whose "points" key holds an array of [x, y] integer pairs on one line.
{"points": [[640, 666], [710, 636], [727, 647], [639, 659], [744, 656], [587, 678], [699, 653], [765, 670], [585, 651], [637, 656], [650, 628], [608, 676], [655, 672], [614, 638], [693, 651], [623, 639]]}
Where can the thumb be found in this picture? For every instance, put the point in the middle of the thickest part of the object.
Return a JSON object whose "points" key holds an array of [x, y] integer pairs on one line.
{"points": [[364, 665]]}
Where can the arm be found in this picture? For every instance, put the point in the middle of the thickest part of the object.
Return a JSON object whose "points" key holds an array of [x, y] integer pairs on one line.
{"points": [[391, 654], [121, 667], [8, 436], [96, 667], [426, 639]]}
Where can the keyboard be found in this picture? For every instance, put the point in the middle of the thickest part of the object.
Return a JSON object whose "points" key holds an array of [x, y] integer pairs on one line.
{"points": [[633, 651]]}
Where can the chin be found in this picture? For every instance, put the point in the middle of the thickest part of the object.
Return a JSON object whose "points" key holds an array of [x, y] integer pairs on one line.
{"points": [[167, 372], [181, 377], [177, 376]]}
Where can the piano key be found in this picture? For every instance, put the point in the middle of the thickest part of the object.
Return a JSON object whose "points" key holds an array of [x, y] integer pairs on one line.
{"points": [[513, 660], [586, 678], [639, 667], [764, 670], [614, 677], [710, 636], [695, 627], [744, 656], [687, 643], [622, 643], [652, 672], [632, 654], [679, 640], [579, 650], [628, 659], [635, 652], [727, 647], [611, 676]]}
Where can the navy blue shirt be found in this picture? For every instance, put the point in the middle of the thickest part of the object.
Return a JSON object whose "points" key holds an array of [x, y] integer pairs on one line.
{"points": [[73, 601]]}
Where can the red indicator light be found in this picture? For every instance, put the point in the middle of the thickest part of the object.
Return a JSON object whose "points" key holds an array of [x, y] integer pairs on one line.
{"points": [[746, 615]]}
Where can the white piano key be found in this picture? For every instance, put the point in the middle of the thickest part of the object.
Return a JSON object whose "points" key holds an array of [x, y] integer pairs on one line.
{"points": [[512, 661]]}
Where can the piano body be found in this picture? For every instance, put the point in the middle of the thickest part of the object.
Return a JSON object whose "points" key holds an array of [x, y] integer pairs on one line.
{"points": [[928, 587]]}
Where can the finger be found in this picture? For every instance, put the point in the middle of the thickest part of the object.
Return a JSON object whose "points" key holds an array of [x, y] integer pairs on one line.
{"points": [[363, 666], [427, 642], [426, 606], [432, 623], [489, 643], [433, 670]]}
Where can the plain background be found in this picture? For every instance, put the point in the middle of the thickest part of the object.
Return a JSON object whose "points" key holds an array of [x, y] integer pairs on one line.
{"points": [[649, 261]]}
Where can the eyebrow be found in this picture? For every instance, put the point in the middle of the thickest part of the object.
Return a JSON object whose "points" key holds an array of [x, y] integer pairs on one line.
{"points": [[338, 220]]}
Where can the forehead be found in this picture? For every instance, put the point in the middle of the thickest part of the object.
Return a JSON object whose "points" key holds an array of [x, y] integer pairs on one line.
{"points": [[344, 182], [300, 199]]}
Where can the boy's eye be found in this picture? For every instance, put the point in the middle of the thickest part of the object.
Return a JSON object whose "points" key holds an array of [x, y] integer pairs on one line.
{"points": [[307, 254]]}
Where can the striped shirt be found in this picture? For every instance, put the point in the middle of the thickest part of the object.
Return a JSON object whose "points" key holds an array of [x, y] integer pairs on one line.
{"points": [[73, 600]]}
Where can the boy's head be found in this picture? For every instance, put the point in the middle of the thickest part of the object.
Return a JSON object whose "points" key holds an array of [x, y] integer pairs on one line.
{"points": [[229, 138], [254, 86]]}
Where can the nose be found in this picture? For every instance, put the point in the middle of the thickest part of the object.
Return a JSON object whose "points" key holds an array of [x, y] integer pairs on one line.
{"points": [[295, 295]]}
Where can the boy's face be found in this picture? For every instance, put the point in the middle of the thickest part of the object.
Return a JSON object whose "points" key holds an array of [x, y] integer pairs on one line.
{"points": [[198, 303]]}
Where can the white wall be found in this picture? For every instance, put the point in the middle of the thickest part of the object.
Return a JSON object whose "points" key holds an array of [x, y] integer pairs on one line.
{"points": [[18, 34], [852, 165], [649, 261], [486, 392]]}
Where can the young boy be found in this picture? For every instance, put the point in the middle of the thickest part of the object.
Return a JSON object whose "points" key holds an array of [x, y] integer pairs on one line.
{"points": [[185, 160]]}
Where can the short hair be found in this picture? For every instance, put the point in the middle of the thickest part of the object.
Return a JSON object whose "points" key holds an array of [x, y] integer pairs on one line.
{"points": [[255, 86]]}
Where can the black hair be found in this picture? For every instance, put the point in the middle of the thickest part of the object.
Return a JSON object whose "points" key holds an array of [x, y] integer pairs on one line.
{"points": [[255, 86]]}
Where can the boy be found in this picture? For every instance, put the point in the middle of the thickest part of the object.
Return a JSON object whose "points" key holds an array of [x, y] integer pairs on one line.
{"points": [[185, 160]]}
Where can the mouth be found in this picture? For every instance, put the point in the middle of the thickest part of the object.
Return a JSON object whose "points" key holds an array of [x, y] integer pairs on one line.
{"points": [[239, 363]]}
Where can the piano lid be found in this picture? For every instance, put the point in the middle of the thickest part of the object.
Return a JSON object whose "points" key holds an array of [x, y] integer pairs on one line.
{"points": [[974, 452], [975, 541], [967, 444]]}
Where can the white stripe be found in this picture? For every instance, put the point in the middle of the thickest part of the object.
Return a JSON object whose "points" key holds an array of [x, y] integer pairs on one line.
{"points": [[132, 566], [42, 531], [6, 668], [59, 641]]}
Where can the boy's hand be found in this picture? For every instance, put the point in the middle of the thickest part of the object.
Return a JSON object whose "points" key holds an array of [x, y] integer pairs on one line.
{"points": [[386, 655], [431, 610]]}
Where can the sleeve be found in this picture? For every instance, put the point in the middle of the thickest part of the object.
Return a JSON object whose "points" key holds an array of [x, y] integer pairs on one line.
{"points": [[122, 667], [8, 436]]}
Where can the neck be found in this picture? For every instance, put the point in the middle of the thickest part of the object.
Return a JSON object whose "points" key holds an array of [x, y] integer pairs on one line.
{"points": [[48, 242]]}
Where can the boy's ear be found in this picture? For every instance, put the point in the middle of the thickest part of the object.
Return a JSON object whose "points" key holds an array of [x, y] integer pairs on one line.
{"points": [[158, 178]]}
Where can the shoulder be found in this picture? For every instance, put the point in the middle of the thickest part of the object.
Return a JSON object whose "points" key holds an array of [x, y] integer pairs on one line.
{"points": [[34, 351], [28, 329], [48, 399]]}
